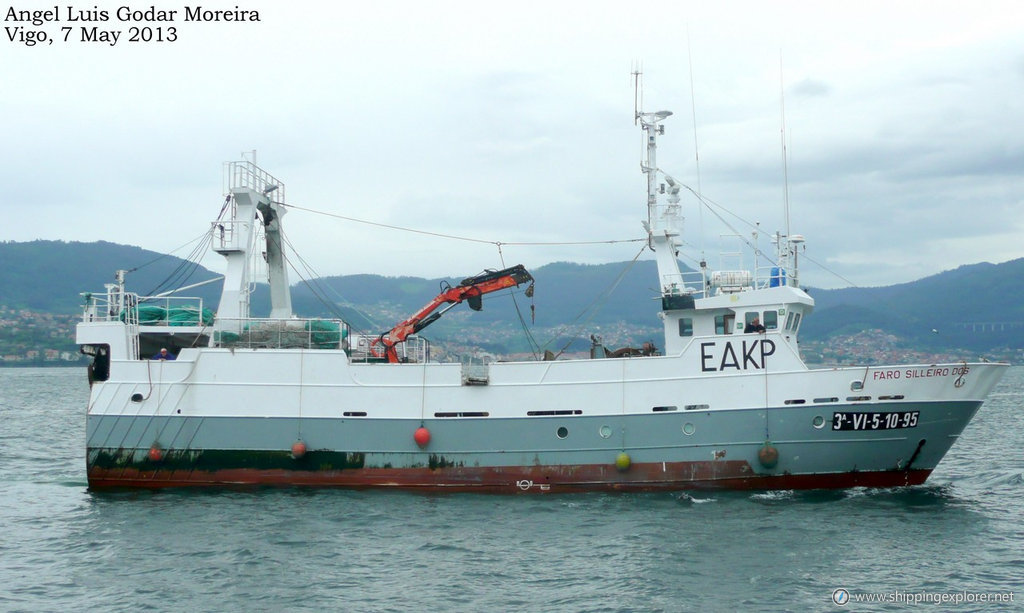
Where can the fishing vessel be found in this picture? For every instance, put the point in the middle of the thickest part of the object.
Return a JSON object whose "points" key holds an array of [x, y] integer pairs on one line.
{"points": [[726, 402]]}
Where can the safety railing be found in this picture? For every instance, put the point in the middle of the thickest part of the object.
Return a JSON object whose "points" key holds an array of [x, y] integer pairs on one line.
{"points": [[476, 370], [361, 348], [226, 235], [247, 174], [135, 310], [259, 333]]}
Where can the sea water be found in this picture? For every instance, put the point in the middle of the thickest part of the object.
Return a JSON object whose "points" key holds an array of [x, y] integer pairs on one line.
{"points": [[63, 547]]}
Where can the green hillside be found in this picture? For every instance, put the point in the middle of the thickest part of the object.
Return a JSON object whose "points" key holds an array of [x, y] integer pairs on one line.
{"points": [[977, 307], [48, 276], [563, 291]]}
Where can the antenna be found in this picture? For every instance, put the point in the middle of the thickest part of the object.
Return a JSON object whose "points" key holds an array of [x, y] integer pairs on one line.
{"points": [[785, 162], [638, 88], [792, 242], [696, 150], [693, 108]]}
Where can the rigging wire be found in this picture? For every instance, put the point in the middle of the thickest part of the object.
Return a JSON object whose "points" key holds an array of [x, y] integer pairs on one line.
{"points": [[317, 288], [595, 306], [169, 253], [711, 203], [190, 264], [187, 267], [741, 236], [696, 149], [534, 347], [314, 288], [828, 270], [319, 294], [589, 311], [457, 237]]}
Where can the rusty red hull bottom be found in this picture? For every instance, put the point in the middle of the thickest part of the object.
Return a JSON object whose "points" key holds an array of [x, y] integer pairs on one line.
{"points": [[724, 475]]}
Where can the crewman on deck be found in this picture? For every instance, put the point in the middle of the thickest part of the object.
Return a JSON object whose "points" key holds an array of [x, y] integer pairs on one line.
{"points": [[754, 326], [164, 355]]}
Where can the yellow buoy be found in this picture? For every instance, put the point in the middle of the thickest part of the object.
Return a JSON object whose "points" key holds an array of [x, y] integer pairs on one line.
{"points": [[622, 461]]}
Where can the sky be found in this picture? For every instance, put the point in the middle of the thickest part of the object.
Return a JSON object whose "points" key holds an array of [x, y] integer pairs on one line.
{"points": [[513, 123]]}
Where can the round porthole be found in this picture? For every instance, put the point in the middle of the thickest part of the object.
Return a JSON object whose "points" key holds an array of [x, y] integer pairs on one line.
{"points": [[562, 432], [689, 428], [605, 431], [818, 421]]}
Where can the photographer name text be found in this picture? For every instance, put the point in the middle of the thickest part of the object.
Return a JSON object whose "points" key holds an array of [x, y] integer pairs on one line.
{"points": [[124, 25]]}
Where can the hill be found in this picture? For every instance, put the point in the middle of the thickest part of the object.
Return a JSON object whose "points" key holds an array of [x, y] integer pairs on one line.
{"points": [[977, 307], [565, 290], [48, 276]]}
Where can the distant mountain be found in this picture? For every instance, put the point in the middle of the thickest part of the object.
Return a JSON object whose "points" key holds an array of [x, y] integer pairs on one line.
{"points": [[49, 276], [977, 306], [980, 306], [565, 292]]}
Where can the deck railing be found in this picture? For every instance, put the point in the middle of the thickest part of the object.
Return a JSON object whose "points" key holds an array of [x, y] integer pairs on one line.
{"points": [[415, 349], [265, 333], [133, 309]]}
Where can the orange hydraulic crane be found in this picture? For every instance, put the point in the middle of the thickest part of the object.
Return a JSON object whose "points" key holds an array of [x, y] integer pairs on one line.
{"points": [[470, 290]]}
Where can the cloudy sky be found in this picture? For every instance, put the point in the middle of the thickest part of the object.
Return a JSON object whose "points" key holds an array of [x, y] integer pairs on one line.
{"points": [[513, 122]]}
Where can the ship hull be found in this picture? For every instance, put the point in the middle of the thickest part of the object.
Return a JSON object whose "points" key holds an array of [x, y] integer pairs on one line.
{"points": [[712, 449], [313, 418]]}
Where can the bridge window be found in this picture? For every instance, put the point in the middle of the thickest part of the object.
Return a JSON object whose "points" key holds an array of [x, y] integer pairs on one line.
{"points": [[724, 323], [793, 321], [686, 326]]}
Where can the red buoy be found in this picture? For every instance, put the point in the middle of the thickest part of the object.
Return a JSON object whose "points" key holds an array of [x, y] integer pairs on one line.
{"points": [[298, 450], [421, 436], [156, 453], [768, 455]]}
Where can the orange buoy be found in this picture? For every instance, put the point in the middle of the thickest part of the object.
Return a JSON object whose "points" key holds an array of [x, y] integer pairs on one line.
{"points": [[156, 453], [298, 450], [421, 436], [768, 455]]}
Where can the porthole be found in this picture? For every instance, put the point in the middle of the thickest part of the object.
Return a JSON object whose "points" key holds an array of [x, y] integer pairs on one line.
{"points": [[818, 422], [689, 428], [605, 431], [137, 397], [562, 432], [856, 386]]}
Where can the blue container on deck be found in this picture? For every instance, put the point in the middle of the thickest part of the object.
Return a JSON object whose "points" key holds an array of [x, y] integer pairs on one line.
{"points": [[777, 277]]}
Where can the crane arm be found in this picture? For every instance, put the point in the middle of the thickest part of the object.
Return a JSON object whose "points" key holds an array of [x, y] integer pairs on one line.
{"points": [[469, 290]]}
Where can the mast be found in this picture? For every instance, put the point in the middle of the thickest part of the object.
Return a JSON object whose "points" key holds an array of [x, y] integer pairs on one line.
{"points": [[280, 293], [664, 222], [235, 233]]}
